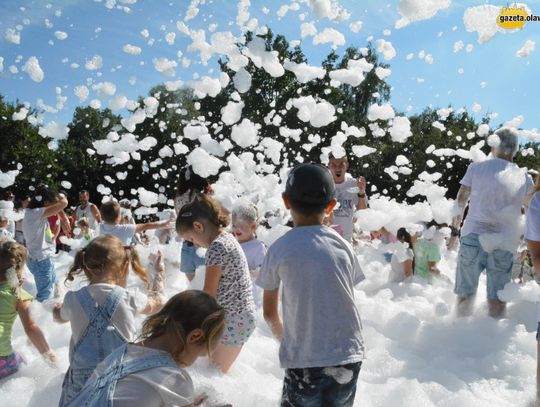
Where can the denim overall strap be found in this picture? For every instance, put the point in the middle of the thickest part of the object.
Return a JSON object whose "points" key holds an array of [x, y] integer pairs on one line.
{"points": [[99, 390], [93, 310]]}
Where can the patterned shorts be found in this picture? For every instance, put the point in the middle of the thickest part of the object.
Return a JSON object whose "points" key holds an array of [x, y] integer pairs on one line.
{"points": [[10, 364], [238, 329]]}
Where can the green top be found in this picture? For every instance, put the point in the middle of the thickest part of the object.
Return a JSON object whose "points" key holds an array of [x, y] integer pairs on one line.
{"points": [[424, 252], [8, 313]]}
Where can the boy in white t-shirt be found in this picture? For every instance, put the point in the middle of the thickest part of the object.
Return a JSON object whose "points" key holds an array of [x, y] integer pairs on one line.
{"points": [[350, 195], [112, 216], [321, 332]]}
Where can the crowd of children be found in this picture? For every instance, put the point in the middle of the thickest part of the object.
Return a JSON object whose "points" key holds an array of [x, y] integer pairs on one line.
{"points": [[311, 271]]}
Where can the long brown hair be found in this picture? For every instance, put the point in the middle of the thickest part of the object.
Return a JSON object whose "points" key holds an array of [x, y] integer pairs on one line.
{"points": [[184, 312], [106, 255], [201, 208]]}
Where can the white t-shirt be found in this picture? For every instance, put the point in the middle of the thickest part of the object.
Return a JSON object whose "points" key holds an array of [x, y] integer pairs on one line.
{"points": [[347, 199], [124, 232], [491, 197], [397, 273], [123, 319], [234, 292], [86, 213], [255, 250], [38, 235], [160, 386], [317, 270]]}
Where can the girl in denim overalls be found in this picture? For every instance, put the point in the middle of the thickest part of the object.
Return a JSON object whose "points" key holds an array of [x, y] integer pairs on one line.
{"points": [[102, 313], [149, 372]]}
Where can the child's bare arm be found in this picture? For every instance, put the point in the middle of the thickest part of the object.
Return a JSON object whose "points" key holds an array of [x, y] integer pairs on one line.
{"points": [[33, 331], [271, 312], [141, 227], [211, 280], [155, 296], [407, 268], [57, 316]]}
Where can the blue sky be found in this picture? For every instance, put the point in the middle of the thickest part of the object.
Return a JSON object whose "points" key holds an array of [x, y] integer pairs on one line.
{"points": [[93, 29]]}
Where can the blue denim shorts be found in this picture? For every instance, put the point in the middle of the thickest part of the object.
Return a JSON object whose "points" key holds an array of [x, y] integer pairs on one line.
{"points": [[44, 275], [189, 259], [473, 259], [320, 386]]}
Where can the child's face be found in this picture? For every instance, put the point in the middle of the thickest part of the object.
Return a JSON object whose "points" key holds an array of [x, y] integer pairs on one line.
{"points": [[4, 223], [242, 229], [196, 235]]}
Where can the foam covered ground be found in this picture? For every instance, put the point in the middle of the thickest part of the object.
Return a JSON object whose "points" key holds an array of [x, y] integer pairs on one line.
{"points": [[419, 354]]}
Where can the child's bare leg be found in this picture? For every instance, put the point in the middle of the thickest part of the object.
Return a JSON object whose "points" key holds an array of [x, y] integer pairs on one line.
{"points": [[224, 356], [190, 276]]}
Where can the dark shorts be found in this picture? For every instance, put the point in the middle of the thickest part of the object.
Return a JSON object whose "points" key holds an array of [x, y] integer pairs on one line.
{"points": [[320, 386], [538, 332]]}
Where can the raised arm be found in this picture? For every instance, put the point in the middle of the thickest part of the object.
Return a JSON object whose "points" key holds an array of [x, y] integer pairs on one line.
{"points": [[362, 198], [141, 227], [56, 207]]}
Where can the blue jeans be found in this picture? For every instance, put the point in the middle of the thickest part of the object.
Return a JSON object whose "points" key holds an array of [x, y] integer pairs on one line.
{"points": [[189, 259], [320, 386], [473, 259], [44, 275]]}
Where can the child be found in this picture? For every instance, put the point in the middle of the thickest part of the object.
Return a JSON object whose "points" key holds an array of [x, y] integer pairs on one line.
{"points": [[164, 236], [403, 259], [85, 232], [111, 215], [321, 335], [40, 239], [102, 313], [188, 186], [4, 232], [14, 300], [150, 372], [244, 228], [427, 253], [227, 273]]}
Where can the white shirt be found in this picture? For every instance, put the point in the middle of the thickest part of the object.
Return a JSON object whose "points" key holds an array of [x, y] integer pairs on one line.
{"points": [[124, 232], [317, 270], [347, 199], [397, 272], [86, 213], [38, 235], [498, 187], [159, 386]]}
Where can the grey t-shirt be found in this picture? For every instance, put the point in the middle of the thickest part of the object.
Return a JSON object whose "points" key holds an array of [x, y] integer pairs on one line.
{"points": [[38, 235], [319, 270]]}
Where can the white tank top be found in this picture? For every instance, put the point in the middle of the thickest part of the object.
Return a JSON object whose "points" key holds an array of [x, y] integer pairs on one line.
{"points": [[86, 213]]}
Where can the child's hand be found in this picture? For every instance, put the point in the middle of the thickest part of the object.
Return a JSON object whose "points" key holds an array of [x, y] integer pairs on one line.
{"points": [[56, 312], [201, 398], [50, 358]]}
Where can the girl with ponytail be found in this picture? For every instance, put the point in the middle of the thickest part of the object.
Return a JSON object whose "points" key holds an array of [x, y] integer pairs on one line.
{"points": [[102, 314], [227, 277], [150, 372]]}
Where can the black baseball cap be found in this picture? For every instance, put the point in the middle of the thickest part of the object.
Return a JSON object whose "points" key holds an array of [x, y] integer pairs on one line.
{"points": [[310, 184]]}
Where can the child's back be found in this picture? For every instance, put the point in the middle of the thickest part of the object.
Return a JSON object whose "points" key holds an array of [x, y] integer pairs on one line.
{"points": [[102, 318], [319, 270]]}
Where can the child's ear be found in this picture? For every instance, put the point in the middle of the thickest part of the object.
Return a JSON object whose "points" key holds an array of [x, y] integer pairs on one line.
{"points": [[286, 200], [198, 226], [195, 336], [330, 207]]}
